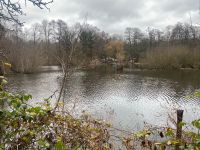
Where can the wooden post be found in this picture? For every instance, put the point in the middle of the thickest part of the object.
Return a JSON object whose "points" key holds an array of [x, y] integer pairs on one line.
{"points": [[179, 127]]}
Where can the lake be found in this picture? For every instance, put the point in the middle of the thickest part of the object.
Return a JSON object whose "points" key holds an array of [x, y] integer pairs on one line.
{"points": [[128, 99]]}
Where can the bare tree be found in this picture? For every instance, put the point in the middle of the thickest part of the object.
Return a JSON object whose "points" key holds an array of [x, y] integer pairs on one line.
{"points": [[35, 32], [10, 10], [61, 26], [88, 36], [133, 37], [128, 35], [69, 42], [2, 31]]}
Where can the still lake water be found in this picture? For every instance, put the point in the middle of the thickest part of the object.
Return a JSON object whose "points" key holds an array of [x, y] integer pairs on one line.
{"points": [[126, 99]]}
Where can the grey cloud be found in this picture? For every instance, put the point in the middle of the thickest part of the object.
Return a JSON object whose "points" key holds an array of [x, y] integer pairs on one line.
{"points": [[112, 10], [114, 16], [179, 6]]}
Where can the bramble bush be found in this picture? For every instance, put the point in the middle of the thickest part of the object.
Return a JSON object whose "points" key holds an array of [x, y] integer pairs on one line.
{"points": [[40, 127]]}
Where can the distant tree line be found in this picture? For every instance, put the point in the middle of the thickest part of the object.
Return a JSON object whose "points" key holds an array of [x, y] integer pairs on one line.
{"points": [[43, 43], [137, 42]]}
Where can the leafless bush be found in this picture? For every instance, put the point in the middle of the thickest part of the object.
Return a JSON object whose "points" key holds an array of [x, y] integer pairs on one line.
{"points": [[26, 59], [172, 58]]}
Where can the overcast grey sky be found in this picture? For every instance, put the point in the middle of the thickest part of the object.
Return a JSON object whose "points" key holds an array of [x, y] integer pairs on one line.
{"points": [[113, 16]]}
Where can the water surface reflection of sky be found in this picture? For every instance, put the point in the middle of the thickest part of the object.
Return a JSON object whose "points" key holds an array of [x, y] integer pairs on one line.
{"points": [[125, 99]]}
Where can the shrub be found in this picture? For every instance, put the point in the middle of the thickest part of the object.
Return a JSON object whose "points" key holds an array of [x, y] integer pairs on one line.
{"points": [[26, 59], [172, 58], [40, 127]]}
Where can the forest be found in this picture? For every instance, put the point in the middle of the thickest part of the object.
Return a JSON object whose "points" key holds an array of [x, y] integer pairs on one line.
{"points": [[46, 42]]}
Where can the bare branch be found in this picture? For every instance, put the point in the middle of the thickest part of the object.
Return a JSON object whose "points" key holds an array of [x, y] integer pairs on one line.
{"points": [[10, 11]]}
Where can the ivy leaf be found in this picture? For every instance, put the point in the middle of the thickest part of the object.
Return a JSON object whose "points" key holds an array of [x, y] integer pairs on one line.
{"points": [[169, 132], [181, 124], [197, 94], [26, 97], [60, 145], [196, 123], [43, 143], [1, 147]]}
